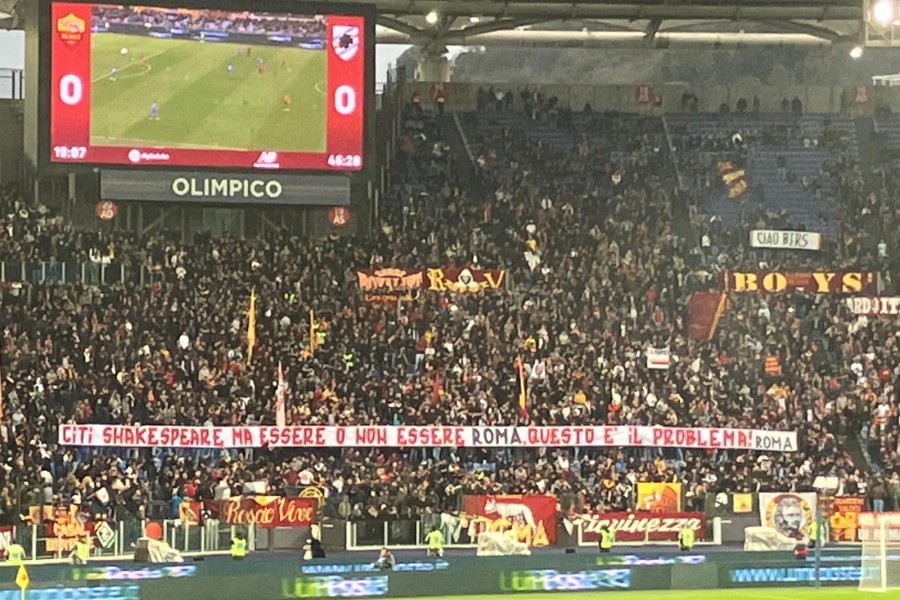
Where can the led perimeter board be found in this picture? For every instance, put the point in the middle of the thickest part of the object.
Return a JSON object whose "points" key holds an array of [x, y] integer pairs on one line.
{"points": [[225, 84]]}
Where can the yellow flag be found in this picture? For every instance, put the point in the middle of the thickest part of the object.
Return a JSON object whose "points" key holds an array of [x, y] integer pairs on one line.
{"points": [[251, 326], [22, 579], [313, 342]]}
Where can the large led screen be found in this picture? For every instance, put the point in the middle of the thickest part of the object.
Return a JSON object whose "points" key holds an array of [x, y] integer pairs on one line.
{"points": [[199, 87]]}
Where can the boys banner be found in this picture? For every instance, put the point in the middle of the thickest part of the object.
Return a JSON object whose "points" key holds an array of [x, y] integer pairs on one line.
{"points": [[532, 519], [428, 436]]}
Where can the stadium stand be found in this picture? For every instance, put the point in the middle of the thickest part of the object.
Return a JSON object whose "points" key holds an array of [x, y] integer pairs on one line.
{"points": [[578, 209]]}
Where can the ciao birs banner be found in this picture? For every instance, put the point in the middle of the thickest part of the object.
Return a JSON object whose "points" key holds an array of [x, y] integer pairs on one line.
{"points": [[639, 527], [659, 497], [874, 306], [269, 511], [844, 520], [810, 282], [790, 514], [532, 519], [788, 240], [429, 436]]}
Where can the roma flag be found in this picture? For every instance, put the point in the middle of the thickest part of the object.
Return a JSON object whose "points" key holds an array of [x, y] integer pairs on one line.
{"points": [[734, 178], [280, 419], [520, 375], [251, 326], [313, 342]]}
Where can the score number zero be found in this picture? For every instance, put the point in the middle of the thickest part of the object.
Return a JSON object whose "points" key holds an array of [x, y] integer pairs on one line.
{"points": [[71, 91]]}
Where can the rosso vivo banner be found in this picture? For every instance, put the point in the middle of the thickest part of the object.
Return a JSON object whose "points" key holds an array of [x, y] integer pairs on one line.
{"points": [[637, 527], [874, 306], [659, 497], [466, 280], [812, 282], [261, 188], [844, 519], [389, 436], [532, 519], [791, 240], [269, 511], [790, 514]]}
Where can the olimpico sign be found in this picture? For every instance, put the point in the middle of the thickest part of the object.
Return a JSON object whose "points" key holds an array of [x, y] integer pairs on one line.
{"points": [[384, 436]]}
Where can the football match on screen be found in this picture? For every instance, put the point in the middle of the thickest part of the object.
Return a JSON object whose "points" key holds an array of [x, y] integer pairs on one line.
{"points": [[187, 84]]}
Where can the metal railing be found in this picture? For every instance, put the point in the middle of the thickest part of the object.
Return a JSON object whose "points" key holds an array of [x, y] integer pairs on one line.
{"points": [[402, 534], [210, 538], [87, 273]]}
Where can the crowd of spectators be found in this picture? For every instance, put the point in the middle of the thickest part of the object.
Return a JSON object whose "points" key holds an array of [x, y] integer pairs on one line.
{"points": [[219, 21], [599, 269]]}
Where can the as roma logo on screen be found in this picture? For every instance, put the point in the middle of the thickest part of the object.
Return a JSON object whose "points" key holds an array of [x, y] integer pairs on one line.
{"points": [[345, 40], [71, 28]]}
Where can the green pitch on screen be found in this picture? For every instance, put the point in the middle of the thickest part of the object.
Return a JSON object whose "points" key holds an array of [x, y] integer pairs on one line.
{"points": [[823, 593], [201, 105]]}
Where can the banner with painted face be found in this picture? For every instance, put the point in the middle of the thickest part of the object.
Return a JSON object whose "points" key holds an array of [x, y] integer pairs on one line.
{"points": [[788, 513]]}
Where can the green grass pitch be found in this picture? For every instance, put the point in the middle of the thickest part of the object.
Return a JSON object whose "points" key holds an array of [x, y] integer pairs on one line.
{"points": [[200, 104], [793, 593]]}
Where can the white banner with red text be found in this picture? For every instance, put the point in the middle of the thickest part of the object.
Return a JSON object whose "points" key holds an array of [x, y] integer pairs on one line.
{"points": [[401, 436]]}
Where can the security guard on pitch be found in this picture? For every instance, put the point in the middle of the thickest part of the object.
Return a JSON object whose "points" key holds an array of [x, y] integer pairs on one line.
{"points": [[813, 533], [238, 547], [607, 538], [435, 539], [686, 539], [81, 552], [15, 554]]}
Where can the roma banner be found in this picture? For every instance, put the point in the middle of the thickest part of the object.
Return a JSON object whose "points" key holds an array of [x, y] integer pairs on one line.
{"points": [[870, 528], [844, 519], [874, 306], [638, 527], [658, 497], [811, 282], [531, 518], [61, 528], [269, 511], [427, 436], [706, 309], [388, 285], [790, 514], [788, 240], [465, 280]]}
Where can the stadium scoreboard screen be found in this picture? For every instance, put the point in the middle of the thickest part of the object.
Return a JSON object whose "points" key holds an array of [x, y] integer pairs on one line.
{"points": [[255, 86]]}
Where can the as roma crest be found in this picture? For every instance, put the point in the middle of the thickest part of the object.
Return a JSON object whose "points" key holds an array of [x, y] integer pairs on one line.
{"points": [[71, 28], [345, 41]]}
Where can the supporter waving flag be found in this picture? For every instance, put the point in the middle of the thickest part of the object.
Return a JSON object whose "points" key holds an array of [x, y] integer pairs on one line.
{"points": [[280, 419], [251, 326], [520, 376]]}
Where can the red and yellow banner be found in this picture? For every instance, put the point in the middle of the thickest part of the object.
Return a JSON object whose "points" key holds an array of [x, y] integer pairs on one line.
{"points": [[844, 519], [269, 511], [659, 497], [638, 527], [811, 282], [532, 519]]}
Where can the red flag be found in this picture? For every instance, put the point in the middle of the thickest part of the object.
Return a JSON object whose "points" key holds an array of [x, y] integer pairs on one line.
{"points": [[280, 420], [436, 388]]}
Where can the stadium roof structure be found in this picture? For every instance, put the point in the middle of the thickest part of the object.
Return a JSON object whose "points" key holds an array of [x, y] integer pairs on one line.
{"points": [[431, 23]]}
